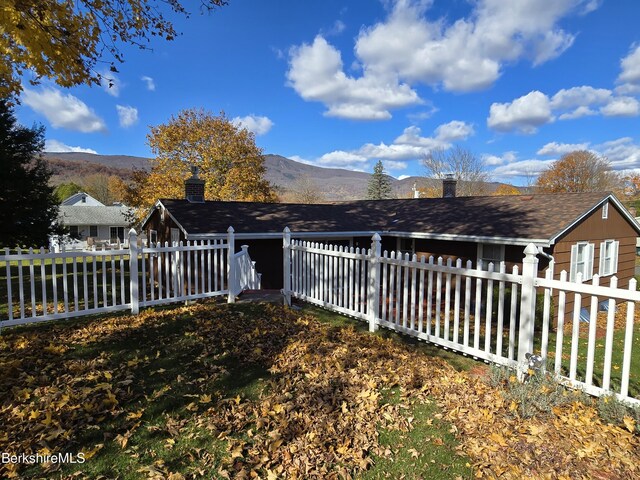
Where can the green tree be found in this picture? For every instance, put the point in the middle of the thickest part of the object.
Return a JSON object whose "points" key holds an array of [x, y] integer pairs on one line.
{"points": [[65, 190], [64, 40], [227, 157], [379, 186], [28, 206]]}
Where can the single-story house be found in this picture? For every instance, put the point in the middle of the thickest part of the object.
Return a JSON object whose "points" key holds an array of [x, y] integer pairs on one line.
{"points": [[91, 223], [585, 233]]}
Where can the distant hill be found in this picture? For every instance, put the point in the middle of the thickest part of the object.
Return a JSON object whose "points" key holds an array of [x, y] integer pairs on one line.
{"points": [[334, 183]]}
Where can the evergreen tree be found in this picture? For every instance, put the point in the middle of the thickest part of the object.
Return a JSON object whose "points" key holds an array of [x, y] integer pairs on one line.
{"points": [[379, 185], [28, 205]]}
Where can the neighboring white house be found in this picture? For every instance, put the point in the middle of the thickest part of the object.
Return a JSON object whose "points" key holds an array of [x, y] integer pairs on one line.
{"points": [[82, 199], [91, 223]]}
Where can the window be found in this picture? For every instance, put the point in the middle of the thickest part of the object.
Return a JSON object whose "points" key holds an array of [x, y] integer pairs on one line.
{"points": [[581, 261], [153, 237], [73, 231], [605, 211], [93, 231], [608, 257], [406, 245], [116, 233], [490, 253]]}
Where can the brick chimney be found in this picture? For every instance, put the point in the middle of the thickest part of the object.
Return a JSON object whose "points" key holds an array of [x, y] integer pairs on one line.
{"points": [[449, 186], [194, 187]]}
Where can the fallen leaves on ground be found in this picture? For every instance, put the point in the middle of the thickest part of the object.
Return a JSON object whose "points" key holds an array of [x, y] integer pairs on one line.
{"points": [[317, 415]]}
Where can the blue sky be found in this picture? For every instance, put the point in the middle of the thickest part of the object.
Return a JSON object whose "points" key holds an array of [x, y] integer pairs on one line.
{"points": [[347, 83]]}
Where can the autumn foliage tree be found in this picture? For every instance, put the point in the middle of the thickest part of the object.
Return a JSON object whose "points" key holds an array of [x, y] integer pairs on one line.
{"points": [[578, 171], [227, 157], [504, 189], [64, 40]]}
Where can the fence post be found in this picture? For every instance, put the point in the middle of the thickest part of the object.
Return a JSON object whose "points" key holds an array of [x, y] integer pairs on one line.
{"points": [[133, 272], [286, 264], [231, 265], [373, 297], [527, 306]]}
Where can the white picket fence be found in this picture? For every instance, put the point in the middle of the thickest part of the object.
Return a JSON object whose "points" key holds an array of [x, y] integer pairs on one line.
{"points": [[42, 285], [485, 313]]}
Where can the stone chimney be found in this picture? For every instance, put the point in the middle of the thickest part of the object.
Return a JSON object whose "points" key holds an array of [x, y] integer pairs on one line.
{"points": [[449, 186], [194, 187]]}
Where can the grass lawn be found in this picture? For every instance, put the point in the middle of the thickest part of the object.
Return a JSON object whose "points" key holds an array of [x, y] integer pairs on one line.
{"points": [[258, 391]]}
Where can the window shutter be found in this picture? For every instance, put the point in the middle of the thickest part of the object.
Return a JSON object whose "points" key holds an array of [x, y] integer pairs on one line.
{"points": [[614, 255], [602, 269], [588, 274], [573, 266]]}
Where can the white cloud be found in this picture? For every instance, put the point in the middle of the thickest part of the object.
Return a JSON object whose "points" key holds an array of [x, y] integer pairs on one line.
{"points": [[254, 123], [524, 114], [621, 107], [410, 47], [408, 146], [469, 53], [402, 177], [56, 146], [494, 160], [454, 131], [127, 115], [559, 149], [151, 85], [578, 113], [630, 67], [316, 74], [571, 98], [623, 153], [64, 111], [110, 83], [522, 168]]}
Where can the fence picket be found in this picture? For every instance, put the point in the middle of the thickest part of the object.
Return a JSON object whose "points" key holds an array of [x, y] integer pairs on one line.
{"points": [[447, 301], [75, 283], [438, 305], [21, 285], [405, 293], [575, 331], [489, 312], [456, 302], [500, 326], [32, 283], [591, 346], [412, 302], [421, 296], [628, 342], [477, 313], [467, 306], [512, 316], [608, 344], [560, 325], [429, 296]]}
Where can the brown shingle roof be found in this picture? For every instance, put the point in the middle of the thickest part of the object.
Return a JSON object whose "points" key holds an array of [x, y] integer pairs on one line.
{"points": [[541, 216]]}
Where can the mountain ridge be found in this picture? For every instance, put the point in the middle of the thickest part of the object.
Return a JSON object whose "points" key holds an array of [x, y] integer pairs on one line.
{"points": [[282, 172]]}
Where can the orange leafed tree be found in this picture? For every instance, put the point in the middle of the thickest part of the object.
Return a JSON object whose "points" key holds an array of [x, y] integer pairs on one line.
{"points": [[66, 40], [578, 171], [226, 155], [505, 189]]}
